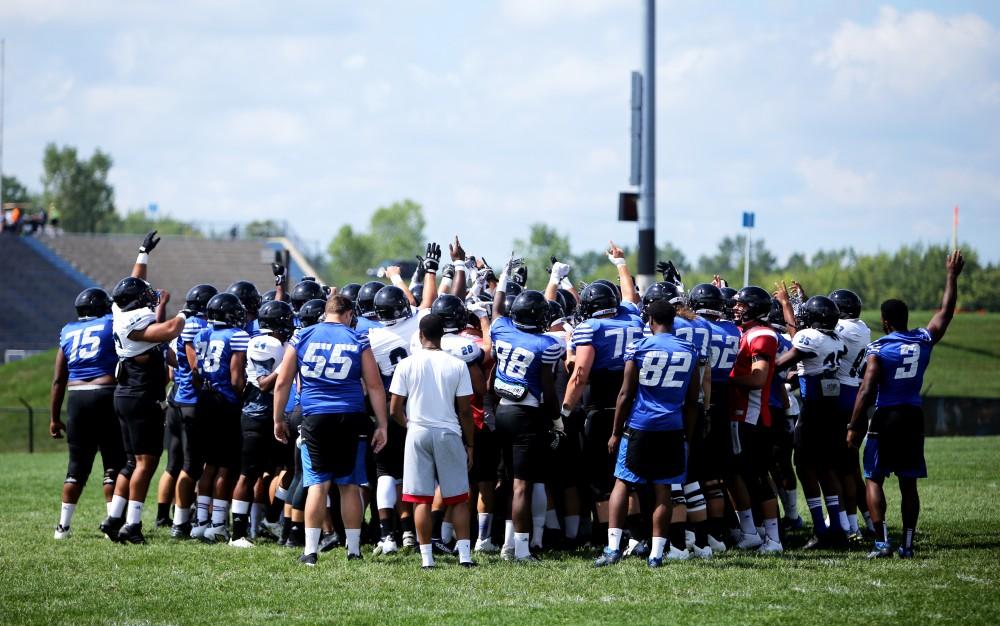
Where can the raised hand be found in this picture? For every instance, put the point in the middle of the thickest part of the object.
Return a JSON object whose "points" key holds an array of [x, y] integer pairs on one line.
{"points": [[149, 242]]}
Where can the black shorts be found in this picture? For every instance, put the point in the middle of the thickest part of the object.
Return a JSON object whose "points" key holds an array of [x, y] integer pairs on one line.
{"points": [[752, 449], [290, 452], [332, 440], [895, 443], [599, 463], [698, 459], [820, 437], [522, 432], [389, 460], [141, 420], [91, 425], [652, 456], [173, 440], [485, 456], [718, 442], [220, 422], [259, 447], [192, 441]]}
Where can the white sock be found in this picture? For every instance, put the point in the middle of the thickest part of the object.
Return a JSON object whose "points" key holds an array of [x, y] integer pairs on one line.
{"points": [[484, 525], [508, 534], [853, 521], [66, 514], [521, 545], [746, 522], [353, 540], [868, 521], [538, 505], [464, 551], [447, 532], [615, 538], [312, 540], [107, 507], [256, 513], [572, 526], [844, 524], [792, 504], [241, 507], [133, 514], [659, 543], [181, 515], [537, 529], [426, 555], [204, 503], [771, 529], [117, 507], [551, 519], [220, 508]]}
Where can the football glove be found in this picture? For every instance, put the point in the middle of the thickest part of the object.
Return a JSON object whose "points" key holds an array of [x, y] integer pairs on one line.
{"points": [[149, 242], [448, 272], [278, 269], [432, 257]]}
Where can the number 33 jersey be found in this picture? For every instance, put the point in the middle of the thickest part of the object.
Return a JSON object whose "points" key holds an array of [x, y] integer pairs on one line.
{"points": [[329, 361], [666, 366], [904, 357]]}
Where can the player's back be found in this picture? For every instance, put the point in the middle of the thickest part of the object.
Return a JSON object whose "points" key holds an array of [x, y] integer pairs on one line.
{"points": [[904, 357], [666, 363], [821, 353], [609, 339], [220, 344], [89, 347], [329, 359], [520, 357], [725, 345], [391, 344], [856, 336]]}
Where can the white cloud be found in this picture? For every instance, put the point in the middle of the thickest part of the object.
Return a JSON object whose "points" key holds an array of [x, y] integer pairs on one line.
{"points": [[826, 179], [908, 53], [544, 12], [268, 126], [354, 62]]}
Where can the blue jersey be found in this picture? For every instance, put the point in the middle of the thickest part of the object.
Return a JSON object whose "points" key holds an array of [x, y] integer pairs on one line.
{"points": [[666, 367], [627, 311], [698, 332], [609, 337], [364, 325], [725, 347], [184, 392], [214, 363], [89, 347], [778, 382], [329, 360], [904, 357], [252, 327], [520, 357]]}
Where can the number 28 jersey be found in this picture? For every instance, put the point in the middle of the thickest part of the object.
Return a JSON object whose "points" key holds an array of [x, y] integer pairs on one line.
{"points": [[666, 367], [904, 357], [329, 360], [89, 347], [520, 357]]}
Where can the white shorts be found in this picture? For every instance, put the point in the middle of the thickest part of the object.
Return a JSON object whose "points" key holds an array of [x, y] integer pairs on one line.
{"points": [[434, 456]]}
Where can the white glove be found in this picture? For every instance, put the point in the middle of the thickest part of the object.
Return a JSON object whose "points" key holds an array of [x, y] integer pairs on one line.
{"points": [[479, 309], [618, 261], [559, 272]]}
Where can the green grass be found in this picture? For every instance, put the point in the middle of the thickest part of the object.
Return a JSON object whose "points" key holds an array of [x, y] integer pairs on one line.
{"points": [[954, 578]]}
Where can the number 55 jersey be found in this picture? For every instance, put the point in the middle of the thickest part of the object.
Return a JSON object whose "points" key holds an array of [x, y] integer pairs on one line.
{"points": [[329, 359]]}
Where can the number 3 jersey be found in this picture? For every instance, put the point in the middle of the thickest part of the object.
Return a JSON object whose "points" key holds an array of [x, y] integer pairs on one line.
{"points": [[520, 357], [821, 353], [214, 363], [666, 367], [329, 360], [609, 338], [391, 343], [904, 357], [89, 347], [264, 354]]}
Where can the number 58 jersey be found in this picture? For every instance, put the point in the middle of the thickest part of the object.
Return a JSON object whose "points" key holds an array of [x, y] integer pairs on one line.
{"points": [[329, 360], [666, 367], [904, 357]]}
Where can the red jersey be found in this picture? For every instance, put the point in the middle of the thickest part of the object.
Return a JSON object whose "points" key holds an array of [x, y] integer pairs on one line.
{"points": [[750, 405]]}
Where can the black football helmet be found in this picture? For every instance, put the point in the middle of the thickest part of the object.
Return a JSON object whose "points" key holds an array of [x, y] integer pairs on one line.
{"points": [[277, 317], [513, 289], [226, 309], [350, 290], [818, 312], [418, 292], [452, 310], [271, 296], [311, 312], [706, 299], [567, 301], [92, 302], [776, 318], [757, 302], [530, 312], [728, 298], [197, 298], [305, 291], [614, 287], [248, 295], [598, 298], [556, 312], [668, 292], [848, 302], [365, 301], [391, 304], [134, 293]]}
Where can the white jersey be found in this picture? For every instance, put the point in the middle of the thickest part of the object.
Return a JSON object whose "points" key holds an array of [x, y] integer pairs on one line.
{"points": [[856, 336], [264, 354], [456, 345], [124, 322], [390, 344], [820, 351]]}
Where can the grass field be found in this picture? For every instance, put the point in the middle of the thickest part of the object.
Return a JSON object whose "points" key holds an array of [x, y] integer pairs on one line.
{"points": [[954, 579]]}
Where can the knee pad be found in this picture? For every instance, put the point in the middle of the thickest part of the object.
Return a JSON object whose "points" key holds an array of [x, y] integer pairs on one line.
{"points": [[694, 497], [385, 492], [129, 467], [110, 476], [677, 495], [759, 488]]}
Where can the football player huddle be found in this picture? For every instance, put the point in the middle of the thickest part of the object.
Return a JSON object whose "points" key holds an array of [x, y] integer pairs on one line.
{"points": [[667, 424]]}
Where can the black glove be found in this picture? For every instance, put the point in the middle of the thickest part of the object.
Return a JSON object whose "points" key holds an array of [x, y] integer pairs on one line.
{"points": [[432, 257], [418, 274], [448, 272], [278, 270], [669, 272], [520, 276], [149, 242]]}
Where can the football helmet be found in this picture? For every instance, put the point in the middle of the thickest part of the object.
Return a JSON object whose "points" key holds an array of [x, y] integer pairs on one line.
{"points": [[530, 312], [198, 296], [311, 312], [365, 301], [598, 298], [818, 312], [848, 302], [757, 302], [452, 310], [391, 304], [728, 295], [226, 309], [776, 318], [668, 292], [305, 291], [567, 300], [418, 293], [706, 299], [91, 303], [350, 290], [556, 312], [614, 288], [134, 293], [248, 295], [277, 317]]}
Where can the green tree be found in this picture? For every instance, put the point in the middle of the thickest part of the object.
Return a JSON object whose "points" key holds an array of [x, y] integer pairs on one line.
{"points": [[79, 188], [351, 254], [14, 191], [261, 229], [397, 231], [728, 260], [137, 222], [542, 244]]}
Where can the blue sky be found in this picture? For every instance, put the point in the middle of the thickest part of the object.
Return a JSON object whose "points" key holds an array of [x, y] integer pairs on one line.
{"points": [[839, 123]]}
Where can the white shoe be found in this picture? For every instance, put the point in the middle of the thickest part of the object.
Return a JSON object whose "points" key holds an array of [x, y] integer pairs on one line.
{"points": [[748, 542], [409, 540], [486, 546], [389, 546], [507, 553], [242, 542], [198, 530], [677, 555], [215, 534], [701, 553], [717, 546], [62, 533], [770, 546], [689, 539]]}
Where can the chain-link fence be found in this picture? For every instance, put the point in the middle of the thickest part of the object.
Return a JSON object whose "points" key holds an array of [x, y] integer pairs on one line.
{"points": [[26, 429]]}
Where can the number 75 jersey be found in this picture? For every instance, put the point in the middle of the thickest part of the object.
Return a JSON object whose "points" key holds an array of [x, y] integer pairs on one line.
{"points": [[904, 357]]}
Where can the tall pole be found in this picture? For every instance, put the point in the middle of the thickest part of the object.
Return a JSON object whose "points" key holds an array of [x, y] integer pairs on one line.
{"points": [[647, 191], [3, 51], [746, 261]]}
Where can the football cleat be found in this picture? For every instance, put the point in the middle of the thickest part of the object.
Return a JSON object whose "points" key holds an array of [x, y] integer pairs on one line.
{"points": [[216, 534], [486, 546], [749, 541], [242, 542], [198, 531], [770, 546], [639, 548], [530, 559], [308, 559], [883, 550], [62, 533], [429, 568], [905, 553], [793, 524], [702, 553], [608, 557], [329, 541], [409, 540], [131, 533], [270, 529], [181, 531], [654, 562], [440, 547], [163, 522], [469, 564], [110, 527], [675, 554], [688, 539], [717, 546], [507, 553], [353, 557]]}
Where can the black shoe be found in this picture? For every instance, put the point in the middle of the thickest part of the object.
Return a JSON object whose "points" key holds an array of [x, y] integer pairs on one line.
{"points": [[428, 568], [308, 559], [110, 527], [552, 539], [354, 557], [469, 564], [131, 533], [181, 531], [164, 522], [440, 547], [329, 541]]}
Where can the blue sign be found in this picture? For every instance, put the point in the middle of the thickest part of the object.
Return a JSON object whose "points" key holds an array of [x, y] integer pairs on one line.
{"points": [[747, 219], [153, 207]]}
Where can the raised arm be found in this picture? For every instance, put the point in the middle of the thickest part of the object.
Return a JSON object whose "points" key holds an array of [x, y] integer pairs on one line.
{"points": [[459, 287], [939, 323], [617, 256], [139, 269]]}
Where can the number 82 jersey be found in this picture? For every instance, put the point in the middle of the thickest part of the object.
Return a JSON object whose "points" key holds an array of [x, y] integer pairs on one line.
{"points": [[666, 367]]}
